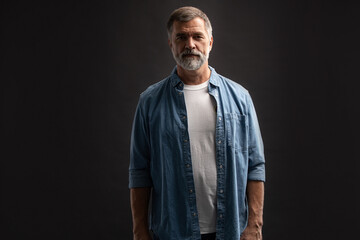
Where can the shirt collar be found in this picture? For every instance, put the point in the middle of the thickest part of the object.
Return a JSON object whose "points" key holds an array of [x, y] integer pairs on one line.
{"points": [[176, 80]]}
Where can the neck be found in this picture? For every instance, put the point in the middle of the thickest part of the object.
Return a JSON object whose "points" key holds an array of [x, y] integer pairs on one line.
{"points": [[194, 77]]}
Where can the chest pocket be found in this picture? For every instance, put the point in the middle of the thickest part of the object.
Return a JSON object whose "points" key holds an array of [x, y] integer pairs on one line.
{"points": [[237, 131]]}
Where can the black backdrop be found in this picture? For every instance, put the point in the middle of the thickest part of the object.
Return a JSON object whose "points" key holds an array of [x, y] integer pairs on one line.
{"points": [[71, 74]]}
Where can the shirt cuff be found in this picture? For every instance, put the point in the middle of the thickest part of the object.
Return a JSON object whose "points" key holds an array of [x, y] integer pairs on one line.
{"points": [[139, 178], [257, 174]]}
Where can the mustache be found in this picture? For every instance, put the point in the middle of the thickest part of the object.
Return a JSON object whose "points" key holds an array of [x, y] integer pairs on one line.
{"points": [[190, 52]]}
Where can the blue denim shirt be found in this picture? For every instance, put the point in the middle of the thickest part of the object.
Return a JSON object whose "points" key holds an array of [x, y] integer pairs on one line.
{"points": [[160, 157]]}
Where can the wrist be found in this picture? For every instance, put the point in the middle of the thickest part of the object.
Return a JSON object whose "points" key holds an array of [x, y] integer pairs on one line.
{"points": [[255, 222], [140, 230], [143, 234]]}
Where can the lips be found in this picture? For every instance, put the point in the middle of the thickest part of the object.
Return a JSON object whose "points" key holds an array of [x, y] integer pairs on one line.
{"points": [[191, 55]]}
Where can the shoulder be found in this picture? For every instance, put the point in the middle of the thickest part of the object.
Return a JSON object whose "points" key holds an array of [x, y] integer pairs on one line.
{"points": [[233, 85], [232, 88], [233, 95], [155, 94], [155, 89]]}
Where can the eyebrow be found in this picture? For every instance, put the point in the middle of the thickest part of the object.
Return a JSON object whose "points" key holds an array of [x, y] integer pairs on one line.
{"points": [[186, 34]]}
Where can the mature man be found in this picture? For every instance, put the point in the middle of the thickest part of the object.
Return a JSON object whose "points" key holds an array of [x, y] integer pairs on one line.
{"points": [[196, 150]]}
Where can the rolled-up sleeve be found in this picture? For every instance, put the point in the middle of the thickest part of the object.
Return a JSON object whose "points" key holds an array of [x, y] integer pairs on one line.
{"points": [[256, 169], [139, 172]]}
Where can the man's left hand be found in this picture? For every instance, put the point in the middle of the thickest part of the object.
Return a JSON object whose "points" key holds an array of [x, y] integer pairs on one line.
{"points": [[251, 233]]}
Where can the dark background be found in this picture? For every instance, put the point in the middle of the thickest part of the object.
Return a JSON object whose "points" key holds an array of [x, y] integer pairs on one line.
{"points": [[71, 74]]}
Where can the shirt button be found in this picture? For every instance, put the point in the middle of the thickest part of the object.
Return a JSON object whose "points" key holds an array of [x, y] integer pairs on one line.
{"points": [[185, 140], [180, 93], [190, 190], [194, 214], [221, 191], [221, 166], [187, 165], [219, 118], [220, 215], [219, 141], [184, 117]]}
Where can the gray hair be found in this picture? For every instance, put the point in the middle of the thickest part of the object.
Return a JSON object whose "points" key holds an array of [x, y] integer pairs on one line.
{"points": [[185, 14]]}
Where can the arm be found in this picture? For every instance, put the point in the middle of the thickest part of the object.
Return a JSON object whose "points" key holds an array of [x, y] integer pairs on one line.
{"points": [[139, 199], [256, 178], [255, 195]]}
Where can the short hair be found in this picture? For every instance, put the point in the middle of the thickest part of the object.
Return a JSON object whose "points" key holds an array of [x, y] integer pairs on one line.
{"points": [[185, 14]]}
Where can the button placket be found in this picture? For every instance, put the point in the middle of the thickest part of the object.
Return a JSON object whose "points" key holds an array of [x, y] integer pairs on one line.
{"points": [[185, 138]]}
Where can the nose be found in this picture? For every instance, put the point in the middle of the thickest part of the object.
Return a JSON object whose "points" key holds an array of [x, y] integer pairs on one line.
{"points": [[190, 44]]}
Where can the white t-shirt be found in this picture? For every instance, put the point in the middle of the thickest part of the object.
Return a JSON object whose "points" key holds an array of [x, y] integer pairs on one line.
{"points": [[201, 114]]}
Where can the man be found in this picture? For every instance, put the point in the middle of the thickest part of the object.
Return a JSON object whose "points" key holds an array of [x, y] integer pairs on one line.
{"points": [[196, 149]]}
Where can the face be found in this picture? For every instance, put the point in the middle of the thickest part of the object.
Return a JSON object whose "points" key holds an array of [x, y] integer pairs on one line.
{"points": [[190, 43]]}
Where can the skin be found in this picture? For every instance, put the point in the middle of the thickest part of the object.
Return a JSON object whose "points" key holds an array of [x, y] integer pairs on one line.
{"points": [[139, 199], [193, 35], [255, 195]]}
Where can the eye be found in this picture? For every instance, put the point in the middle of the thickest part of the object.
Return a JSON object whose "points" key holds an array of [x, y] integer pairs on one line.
{"points": [[180, 37], [198, 37]]}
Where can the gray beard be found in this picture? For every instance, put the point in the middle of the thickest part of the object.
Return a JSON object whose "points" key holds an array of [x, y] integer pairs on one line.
{"points": [[191, 63]]}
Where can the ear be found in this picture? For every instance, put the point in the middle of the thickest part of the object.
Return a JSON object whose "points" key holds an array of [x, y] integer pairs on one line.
{"points": [[169, 42], [211, 43]]}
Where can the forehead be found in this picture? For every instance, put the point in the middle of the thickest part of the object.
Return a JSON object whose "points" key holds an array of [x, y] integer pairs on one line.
{"points": [[195, 25]]}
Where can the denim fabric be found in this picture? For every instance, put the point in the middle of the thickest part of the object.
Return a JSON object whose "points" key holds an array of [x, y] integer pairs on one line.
{"points": [[160, 157]]}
